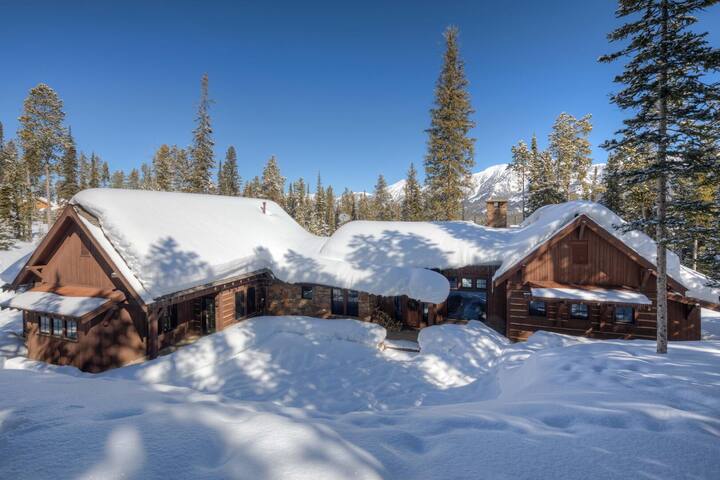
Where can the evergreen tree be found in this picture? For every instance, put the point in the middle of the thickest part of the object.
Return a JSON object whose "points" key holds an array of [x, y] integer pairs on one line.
{"points": [[382, 201], [253, 188], [331, 213], [318, 224], [201, 153], [411, 209], [449, 159], [84, 172], [669, 93], [94, 180], [364, 209], [521, 166], [570, 148], [182, 170], [230, 176], [42, 136], [118, 179], [348, 205], [17, 200], [105, 175], [163, 166], [273, 184], [147, 182], [133, 180], [301, 207], [68, 183], [612, 198], [7, 235], [543, 185]]}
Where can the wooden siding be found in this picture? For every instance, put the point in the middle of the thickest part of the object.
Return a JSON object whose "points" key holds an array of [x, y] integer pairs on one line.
{"points": [[286, 299]]}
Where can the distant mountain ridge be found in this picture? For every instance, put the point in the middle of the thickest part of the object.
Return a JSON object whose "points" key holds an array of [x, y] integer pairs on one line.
{"points": [[497, 182]]}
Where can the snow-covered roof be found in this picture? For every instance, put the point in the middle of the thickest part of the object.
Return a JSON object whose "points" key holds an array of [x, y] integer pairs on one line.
{"points": [[459, 244], [592, 295], [165, 242], [51, 303]]}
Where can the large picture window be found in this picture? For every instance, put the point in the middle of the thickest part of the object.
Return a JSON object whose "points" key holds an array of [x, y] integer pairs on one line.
{"points": [[537, 309], [337, 302], [240, 305], [251, 305], [306, 292], [352, 303]]}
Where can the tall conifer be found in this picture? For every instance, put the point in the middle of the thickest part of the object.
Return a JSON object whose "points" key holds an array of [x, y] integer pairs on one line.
{"points": [[201, 153]]}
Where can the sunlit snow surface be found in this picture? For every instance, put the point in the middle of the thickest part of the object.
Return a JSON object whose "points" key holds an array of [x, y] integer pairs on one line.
{"points": [[295, 397]]}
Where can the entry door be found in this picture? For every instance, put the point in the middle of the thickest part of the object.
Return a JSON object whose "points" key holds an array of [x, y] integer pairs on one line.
{"points": [[208, 315]]}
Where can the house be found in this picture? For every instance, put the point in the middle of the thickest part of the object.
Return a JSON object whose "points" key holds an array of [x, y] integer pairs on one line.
{"points": [[566, 268], [122, 275]]}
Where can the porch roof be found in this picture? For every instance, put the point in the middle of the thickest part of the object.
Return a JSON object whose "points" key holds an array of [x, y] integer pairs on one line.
{"points": [[63, 302], [591, 295]]}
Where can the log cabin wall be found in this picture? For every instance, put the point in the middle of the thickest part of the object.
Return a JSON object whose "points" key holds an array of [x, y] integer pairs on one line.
{"points": [[586, 258]]}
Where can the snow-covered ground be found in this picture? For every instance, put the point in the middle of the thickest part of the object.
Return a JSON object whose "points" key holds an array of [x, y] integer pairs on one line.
{"points": [[295, 397]]}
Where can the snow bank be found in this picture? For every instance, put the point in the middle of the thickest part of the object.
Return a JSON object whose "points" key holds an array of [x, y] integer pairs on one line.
{"points": [[188, 363], [446, 245], [710, 324], [173, 241]]}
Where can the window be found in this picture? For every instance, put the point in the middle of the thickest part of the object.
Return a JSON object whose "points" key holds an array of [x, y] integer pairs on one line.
{"points": [[466, 282], [239, 304], [624, 315], [57, 327], [352, 303], [453, 282], [71, 329], [425, 312], [84, 252], [251, 300], [398, 308], [579, 311], [45, 324], [537, 309], [481, 283], [579, 253], [337, 302], [169, 320], [306, 292], [462, 305]]}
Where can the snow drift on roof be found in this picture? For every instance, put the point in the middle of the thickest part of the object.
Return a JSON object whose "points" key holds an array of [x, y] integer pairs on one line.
{"points": [[592, 295], [459, 244], [169, 242], [48, 302]]}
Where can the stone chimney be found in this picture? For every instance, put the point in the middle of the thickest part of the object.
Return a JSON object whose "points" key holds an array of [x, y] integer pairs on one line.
{"points": [[497, 213]]}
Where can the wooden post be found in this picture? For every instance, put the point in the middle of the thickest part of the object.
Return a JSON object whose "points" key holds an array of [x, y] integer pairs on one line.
{"points": [[152, 334]]}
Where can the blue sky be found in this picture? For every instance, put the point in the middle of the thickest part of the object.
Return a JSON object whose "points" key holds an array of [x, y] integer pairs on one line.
{"points": [[342, 88]]}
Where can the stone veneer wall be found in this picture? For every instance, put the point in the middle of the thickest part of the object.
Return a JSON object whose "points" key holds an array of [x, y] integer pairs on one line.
{"points": [[285, 299]]}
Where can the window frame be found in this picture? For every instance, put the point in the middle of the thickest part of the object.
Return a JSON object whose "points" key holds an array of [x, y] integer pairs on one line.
{"points": [[575, 316], [67, 330], [334, 302], [307, 292], [624, 322], [45, 319], [250, 300], [484, 283], [352, 303], [469, 280], [241, 302], [534, 312]]}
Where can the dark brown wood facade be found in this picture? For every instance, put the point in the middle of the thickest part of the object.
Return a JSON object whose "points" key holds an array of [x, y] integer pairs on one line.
{"points": [[69, 261]]}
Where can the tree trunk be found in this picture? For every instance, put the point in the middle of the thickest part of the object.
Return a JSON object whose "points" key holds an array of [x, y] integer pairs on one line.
{"points": [[661, 200], [47, 194]]}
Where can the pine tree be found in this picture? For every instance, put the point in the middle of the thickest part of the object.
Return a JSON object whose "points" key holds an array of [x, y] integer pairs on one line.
{"points": [[7, 235], [133, 180], [612, 198], [348, 205], [68, 184], [381, 200], [273, 184], [182, 170], [117, 180], [331, 213], [318, 224], [669, 92], [201, 153], [570, 148], [147, 181], [105, 175], [41, 136], [94, 180], [301, 208], [17, 200], [253, 188], [83, 172], [163, 166], [521, 166], [449, 159], [543, 185], [411, 209], [364, 209], [230, 176]]}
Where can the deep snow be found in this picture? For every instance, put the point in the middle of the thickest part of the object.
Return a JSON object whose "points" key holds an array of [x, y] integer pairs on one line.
{"points": [[295, 397]]}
